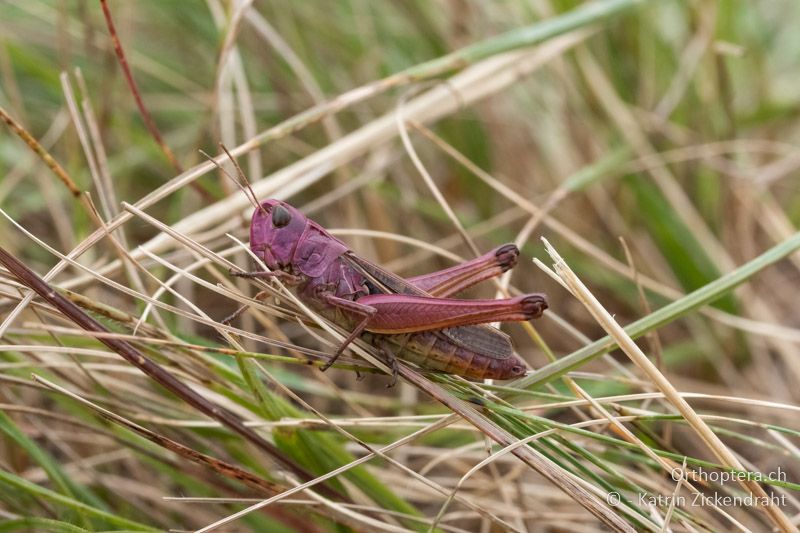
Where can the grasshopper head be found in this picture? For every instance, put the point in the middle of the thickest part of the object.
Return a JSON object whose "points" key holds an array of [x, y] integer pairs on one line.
{"points": [[275, 230]]}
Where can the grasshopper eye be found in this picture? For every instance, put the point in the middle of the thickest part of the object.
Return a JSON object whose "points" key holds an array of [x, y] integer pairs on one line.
{"points": [[280, 216]]}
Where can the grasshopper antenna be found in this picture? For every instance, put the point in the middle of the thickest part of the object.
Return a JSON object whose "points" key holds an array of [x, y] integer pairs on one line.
{"points": [[252, 195], [242, 177]]}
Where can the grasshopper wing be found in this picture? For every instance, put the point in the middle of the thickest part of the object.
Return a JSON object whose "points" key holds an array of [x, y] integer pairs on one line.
{"points": [[481, 339]]}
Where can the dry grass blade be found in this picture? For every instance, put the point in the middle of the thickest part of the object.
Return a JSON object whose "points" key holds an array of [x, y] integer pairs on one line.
{"points": [[669, 125], [221, 467], [535, 460], [136, 358], [332, 474], [475, 83], [715, 444]]}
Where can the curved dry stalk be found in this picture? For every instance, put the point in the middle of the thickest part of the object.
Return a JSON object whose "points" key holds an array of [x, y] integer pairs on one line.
{"points": [[439, 425], [715, 444], [560, 478], [472, 84], [156, 372]]}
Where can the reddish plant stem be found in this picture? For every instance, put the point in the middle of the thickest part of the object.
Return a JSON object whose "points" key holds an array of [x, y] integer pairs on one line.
{"points": [[137, 96], [123, 62], [39, 150], [128, 352]]}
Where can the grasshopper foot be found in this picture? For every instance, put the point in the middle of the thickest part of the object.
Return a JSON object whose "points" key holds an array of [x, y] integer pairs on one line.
{"points": [[391, 360], [236, 314], [233, 316], [395, 370], [332, 360]]}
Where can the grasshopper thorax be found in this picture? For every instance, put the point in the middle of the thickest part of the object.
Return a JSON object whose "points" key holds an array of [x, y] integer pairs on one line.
{"points": [[285, 239]]}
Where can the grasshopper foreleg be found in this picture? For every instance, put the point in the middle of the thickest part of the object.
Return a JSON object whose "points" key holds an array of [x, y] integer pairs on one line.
{"points": [[236, 314], [354, 307], [290, 279]]}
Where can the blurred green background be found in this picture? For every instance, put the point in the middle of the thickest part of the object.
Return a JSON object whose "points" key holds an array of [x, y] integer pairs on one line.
{"points": [[671, 126]]}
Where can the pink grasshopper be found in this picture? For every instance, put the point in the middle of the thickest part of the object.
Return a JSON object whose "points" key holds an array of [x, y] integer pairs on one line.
{"points": [[412, 319]]}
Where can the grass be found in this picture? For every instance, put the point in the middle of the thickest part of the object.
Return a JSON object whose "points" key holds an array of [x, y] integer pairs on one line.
{"points": [[651, 143]]}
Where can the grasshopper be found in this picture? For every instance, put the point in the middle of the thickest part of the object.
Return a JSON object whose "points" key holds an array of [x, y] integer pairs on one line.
{"points": [[412, 319]]}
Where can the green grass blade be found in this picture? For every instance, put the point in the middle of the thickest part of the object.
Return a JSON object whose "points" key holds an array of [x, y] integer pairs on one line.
{"points": [[35, 490], [40, 524], [706, 294], [586, 14], [51, 467]]}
